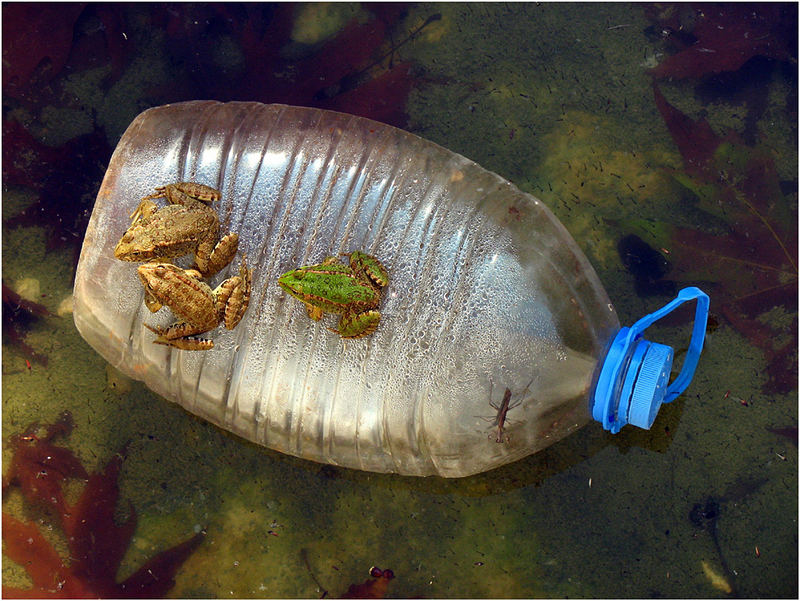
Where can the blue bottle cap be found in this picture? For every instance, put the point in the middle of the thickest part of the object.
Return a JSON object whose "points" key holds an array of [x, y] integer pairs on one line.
{"points": [[633, 381]]}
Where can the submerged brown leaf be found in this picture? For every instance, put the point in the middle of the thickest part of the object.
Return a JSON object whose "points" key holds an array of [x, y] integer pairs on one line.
{"points": [[747, 252]]}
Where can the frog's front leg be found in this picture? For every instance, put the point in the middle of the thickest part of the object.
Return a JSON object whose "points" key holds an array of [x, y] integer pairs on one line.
{"points": [[143, 210], [181, 335], [211, 256], [357, 325], [232, 296], [313, 312], [151, 302]]}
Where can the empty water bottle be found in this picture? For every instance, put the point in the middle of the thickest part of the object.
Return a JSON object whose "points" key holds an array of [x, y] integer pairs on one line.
{"points": [[495, 337]]}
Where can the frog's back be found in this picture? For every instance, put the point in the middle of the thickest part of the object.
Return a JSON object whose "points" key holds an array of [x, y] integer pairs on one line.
{"points": [[172, 231], [486, 291]]}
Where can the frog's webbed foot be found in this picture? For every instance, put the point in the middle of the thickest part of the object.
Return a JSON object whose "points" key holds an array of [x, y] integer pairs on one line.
{"points": [[161, 192], [212, 257], [358, 325], [181, 335]]}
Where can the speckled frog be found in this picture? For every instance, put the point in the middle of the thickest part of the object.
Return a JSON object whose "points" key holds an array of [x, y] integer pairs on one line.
{"points": [[187, 224], [199, 308]]}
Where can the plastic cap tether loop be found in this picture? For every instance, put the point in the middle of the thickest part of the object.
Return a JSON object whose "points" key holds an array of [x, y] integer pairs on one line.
{"points": [[633, 381]]}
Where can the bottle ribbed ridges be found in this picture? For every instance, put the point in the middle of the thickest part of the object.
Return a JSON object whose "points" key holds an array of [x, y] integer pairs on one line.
{"points": [[299, 184]]}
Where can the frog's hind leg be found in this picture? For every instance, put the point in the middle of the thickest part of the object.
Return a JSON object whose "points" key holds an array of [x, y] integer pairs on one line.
{"points": [[211, 257], [187, 193], [232, 296], [180, 335], [371, 267], [358, 325]]}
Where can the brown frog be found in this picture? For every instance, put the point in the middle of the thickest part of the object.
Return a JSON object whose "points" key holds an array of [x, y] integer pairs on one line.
{"points": [[199, 308], [187, 224]]}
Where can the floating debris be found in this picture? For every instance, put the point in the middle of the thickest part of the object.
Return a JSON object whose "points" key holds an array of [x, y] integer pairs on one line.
{"points": [[717, 580]]}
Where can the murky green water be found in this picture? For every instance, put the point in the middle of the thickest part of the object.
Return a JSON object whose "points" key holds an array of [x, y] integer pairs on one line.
{"points": [[539, 94]]}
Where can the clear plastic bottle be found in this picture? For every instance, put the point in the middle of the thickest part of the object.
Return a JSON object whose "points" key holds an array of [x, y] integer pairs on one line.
{"points": [[494, 329]]}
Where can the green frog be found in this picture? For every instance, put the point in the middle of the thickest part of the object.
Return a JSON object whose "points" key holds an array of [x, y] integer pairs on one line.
{"points": [[352, 290]]}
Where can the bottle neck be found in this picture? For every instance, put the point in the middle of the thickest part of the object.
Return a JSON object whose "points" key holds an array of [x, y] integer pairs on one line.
{"points": [[633, 381]]}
